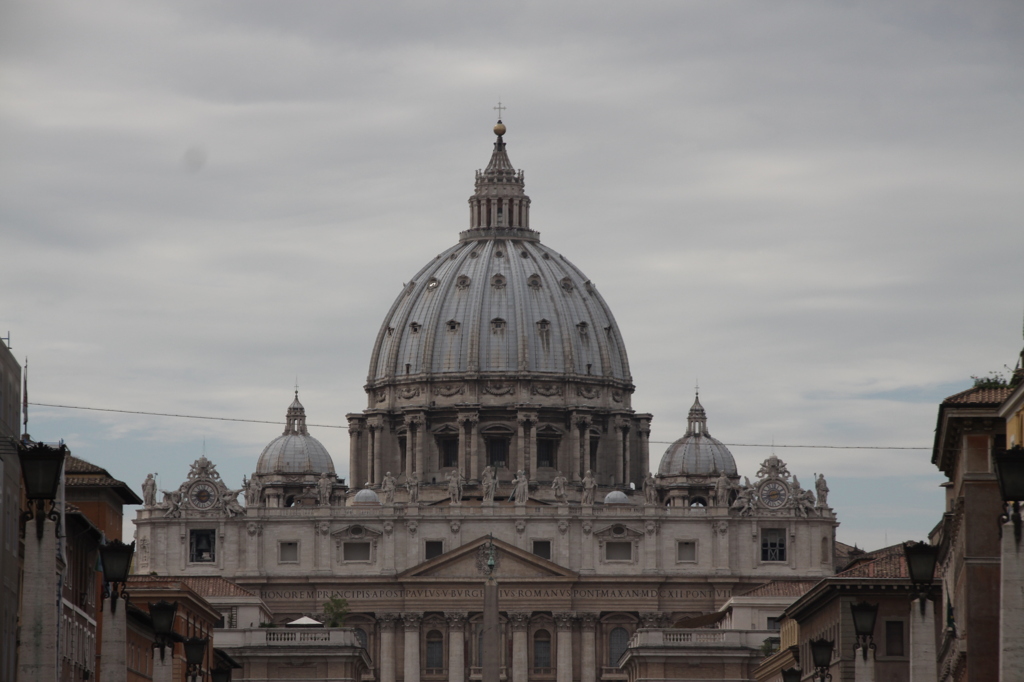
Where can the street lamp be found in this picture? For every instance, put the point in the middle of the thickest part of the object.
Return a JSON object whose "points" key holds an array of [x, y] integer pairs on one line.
{"points": [[195, 652], [42, 466], [1010, 474], [791, 675], [117, 561], [921, 558], [864, 617], [821, 655], [163, 614]]}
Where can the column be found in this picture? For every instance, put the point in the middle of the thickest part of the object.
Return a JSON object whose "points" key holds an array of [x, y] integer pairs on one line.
{"points": [[163, 669], [386, 660], [588, 659], [37, 659], [378, 466], [474, 443], [467, 445], [1011, 611], [520, 454], [923, 664], [620, 451], [356, 475], [370, 473], [527, 434], [114, 648], [863, 668], [456, 645], [645, 443], [566, 461], [519, 621], [421, 436], [411, 621], [627, 455], [563, 662]]}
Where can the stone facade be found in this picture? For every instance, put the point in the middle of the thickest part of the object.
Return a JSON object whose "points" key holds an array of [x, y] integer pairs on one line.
{"points": [[499, 418]]}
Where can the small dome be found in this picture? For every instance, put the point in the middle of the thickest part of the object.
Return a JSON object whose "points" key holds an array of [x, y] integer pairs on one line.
{"points": [[697, 453], [295, 451], [366, 496], [616, 497]]}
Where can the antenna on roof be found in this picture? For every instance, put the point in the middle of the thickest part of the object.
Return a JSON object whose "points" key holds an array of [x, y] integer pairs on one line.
{"points": [[24, 403], [7, 339]]}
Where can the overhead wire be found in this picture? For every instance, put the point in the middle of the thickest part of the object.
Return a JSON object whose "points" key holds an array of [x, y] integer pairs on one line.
{"points": [[337, 426]]}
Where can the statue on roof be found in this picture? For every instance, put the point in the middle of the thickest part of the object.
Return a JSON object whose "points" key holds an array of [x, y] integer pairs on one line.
{"points": [[650, 489], [229, 498], [149, 492], [558, 485], [723, 488], [412, 484], [455, 482], [253, 492], [589, 488], [388, 485], [520, 488], [325, 487], [489, 484], [821, 487]]}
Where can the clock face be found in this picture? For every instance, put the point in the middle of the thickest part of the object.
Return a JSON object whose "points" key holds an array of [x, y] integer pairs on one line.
{"points": [[202, 495], [773, 494]]}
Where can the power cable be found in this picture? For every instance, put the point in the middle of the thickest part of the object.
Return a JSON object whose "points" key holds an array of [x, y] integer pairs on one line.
{"points": [[336, 426]]}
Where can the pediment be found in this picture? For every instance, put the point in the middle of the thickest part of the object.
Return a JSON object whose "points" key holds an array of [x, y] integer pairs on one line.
{"points": [[469, 561]]}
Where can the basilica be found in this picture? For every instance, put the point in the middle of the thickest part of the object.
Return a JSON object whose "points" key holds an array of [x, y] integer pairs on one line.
{"points": [[499, 438]]}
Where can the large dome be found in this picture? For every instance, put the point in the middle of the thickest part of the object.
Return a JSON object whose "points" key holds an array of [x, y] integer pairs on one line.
{"points": [[295, 451], [499, 301], [697, 453]]}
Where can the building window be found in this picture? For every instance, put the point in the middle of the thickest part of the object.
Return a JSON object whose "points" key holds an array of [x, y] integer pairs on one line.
{"points": [[449, 448], [686, 551], [542, 649], [618, 640], [497, 452], [618, 551], [202, 546], [434, 548], [362, 638], [894, 638], [288, 552], [542, 548], [357, 551], [547, 451], [402, 445], [595, 442], [435, 652], [773, 544], [774, 623]]}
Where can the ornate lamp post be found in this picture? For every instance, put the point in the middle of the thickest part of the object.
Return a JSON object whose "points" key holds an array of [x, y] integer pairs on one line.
{"points": [[195, 653], [864, 617], [821, 656], [42, 468], [791, 675], [492, 627], [163, 614], [1010, 474], [116, 558], [921, 559]]}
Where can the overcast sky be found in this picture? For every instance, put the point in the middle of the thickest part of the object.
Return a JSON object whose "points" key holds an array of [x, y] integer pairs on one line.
{"points": [[814, 209]]}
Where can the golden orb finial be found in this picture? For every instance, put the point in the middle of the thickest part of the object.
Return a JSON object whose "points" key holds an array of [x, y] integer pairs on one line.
{"points": [[499, 129]]}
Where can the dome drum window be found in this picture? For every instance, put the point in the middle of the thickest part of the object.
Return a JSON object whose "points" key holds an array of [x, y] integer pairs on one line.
{"points": [[462, 282], [498, 282], [533, 282], [567, 284], [497, 325], [544, 326], [414, 327], [452, 325], [432, 284]]}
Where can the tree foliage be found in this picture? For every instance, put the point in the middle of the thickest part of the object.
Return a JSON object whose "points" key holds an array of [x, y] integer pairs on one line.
{"points": [[335, 612]]}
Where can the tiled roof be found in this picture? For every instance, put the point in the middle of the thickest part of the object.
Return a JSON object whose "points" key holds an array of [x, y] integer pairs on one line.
{"points": [[887, 562], [216, 587], [979, 396], [780, 588], [80, 473]]}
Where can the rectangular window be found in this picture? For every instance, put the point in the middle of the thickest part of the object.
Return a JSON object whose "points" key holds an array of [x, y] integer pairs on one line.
{"points": [[894, 638], [202, 546], [542, 548], [595, 441], [449, 452], [775, 623], [402, 445], [547, 450], [433, 549], [497, 452], [288, 552], [357, 551], [618, 551], [773, 544], [686, 551]]}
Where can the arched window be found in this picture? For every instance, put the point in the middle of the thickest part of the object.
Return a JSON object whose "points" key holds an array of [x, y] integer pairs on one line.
{"points": [[698, 502], [542, 649], [618, 640], [435, 652], [362, 638]]}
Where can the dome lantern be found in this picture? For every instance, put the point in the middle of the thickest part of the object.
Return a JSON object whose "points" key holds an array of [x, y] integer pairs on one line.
{"points": [[697, 453]]}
